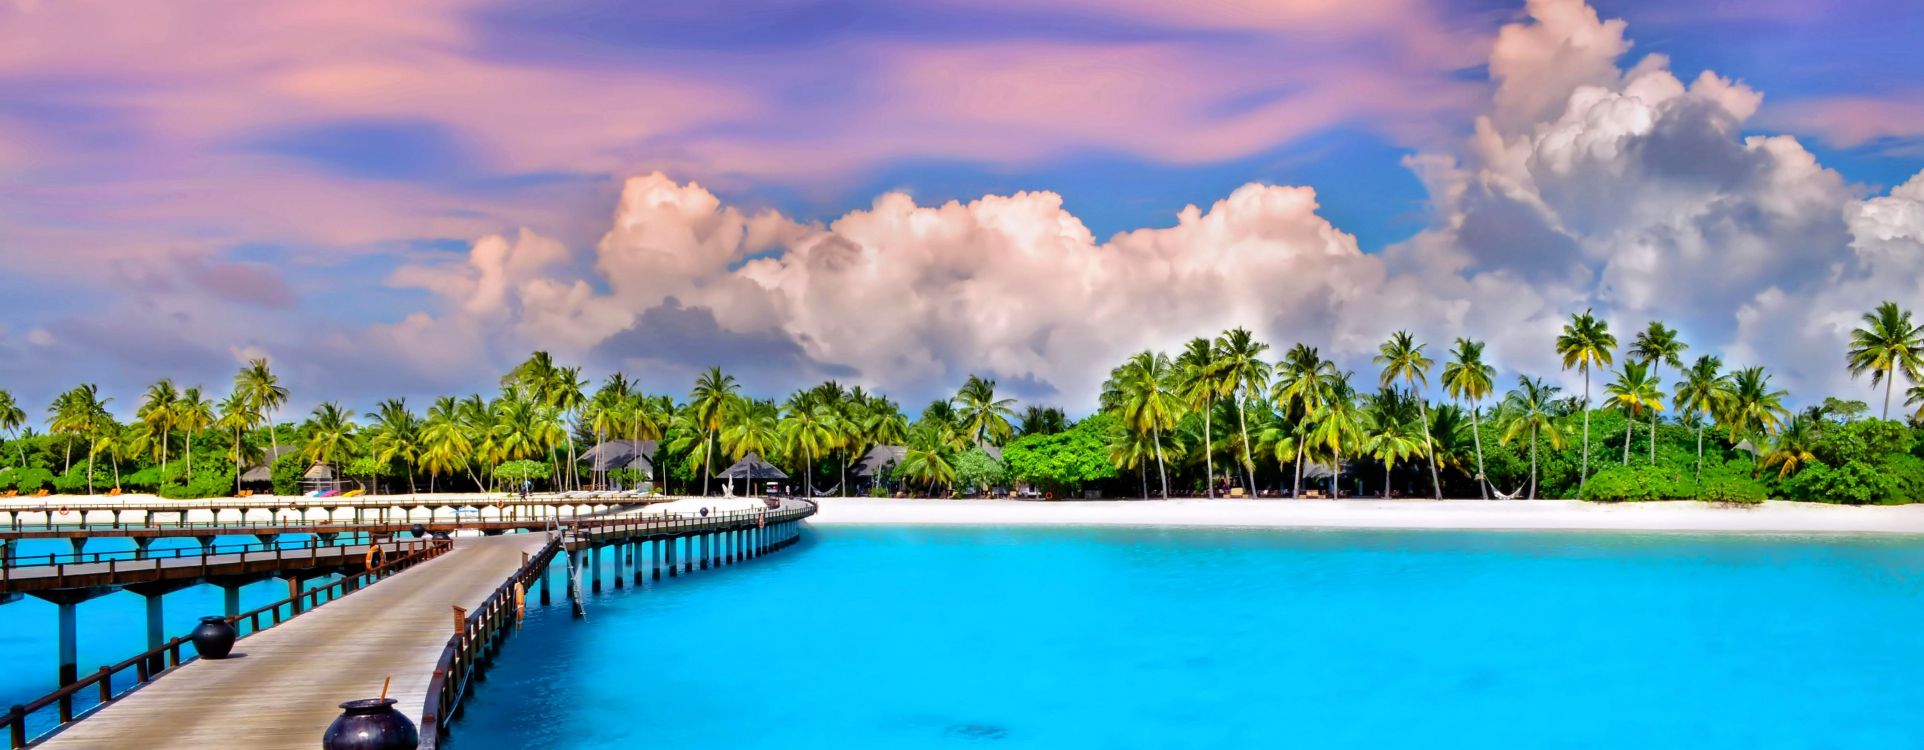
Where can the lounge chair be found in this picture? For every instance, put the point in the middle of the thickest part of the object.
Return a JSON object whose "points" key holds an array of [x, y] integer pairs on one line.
{"points": [[330, 493]]}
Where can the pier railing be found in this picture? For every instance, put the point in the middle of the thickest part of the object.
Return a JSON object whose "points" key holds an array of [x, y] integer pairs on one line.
{"points": [[470, 650], [156, 662]]}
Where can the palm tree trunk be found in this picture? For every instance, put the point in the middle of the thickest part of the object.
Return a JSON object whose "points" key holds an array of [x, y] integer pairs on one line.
{"points": [[1296, 490], [1628, 421], [163, 458], [1653, 423], [90, 472], [271, 438], [1700, 452], [190, 458], [1476, 431], [1583, 473], [1533, 463], [1249, 463], [707, 472], [1209, 456], [1429, 445], [1161, 469], [1387, 470], [1888, 381], [237, 466], [1335, 477]]}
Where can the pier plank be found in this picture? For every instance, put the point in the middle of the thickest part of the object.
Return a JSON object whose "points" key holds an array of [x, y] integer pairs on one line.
{"points": [[282, 689]]}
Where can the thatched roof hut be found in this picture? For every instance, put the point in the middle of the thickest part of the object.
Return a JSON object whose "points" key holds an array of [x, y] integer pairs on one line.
{"points": [[752, 467]]}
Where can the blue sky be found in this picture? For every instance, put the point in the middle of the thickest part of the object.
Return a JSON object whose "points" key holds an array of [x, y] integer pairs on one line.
{"points": [[318, 184]]}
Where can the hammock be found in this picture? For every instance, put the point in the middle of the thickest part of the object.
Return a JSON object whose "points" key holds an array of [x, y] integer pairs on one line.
{"points": [[1511, 496], [832, 490]]}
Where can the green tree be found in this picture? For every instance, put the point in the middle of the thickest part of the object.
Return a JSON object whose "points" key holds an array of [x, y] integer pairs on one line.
{"points": [[1887, 343], [1635, 390], [330, 435], [1305, 383], [156, 412], [1403, 359], [395, 436], [708, 405], [976, 469], [1198, 384], [1393, 430], [1527, 411], [1754, 408], [12, 418], [1586, 344], [1143, 390], [1240, 356], [1043, 420], [1468, 378], [264, 394], [193, 414], [1702, 395], [984, 418], [1657, 346]]}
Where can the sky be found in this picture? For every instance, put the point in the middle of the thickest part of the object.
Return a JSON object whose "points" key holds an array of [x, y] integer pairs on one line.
{"points": [[404, 199]]}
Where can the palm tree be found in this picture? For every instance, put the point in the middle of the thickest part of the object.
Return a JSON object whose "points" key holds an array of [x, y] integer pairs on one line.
{"points": [[396, 435], [1339, 428], [1634, 390], [1887, 343], [1198, 385], [156, 413], [444, 442], [1792, 448], [985, 419], [808, 430], [1043, 420], [1402, 359], [237, 415], [1586, 343], [192, 413], [1755, 409], [1143, 390], [330, 435], [80, 414], [753, 427], [264, 394], [1467, 378], [1394, 432], [1304, 383], [1657, 346], [1529, 411], [708, 403], [12, 418], [1704, 392], [1240, 357], [567, 396], [925, 463]]}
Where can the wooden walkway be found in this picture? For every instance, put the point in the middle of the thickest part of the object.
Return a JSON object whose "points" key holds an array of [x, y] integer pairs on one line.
{"points": [[282, 689]]}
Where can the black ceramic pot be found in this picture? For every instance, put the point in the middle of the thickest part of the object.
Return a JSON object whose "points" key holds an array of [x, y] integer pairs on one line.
{"points": [[419, 531], [370, 724], [214, 638]]}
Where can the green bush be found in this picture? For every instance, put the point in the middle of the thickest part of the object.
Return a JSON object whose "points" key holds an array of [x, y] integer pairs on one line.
{"points": [[1732, 490], [203, 484], [878, 491], [1639, 482], [524, 470], [1854, 483], [287, 471], [74, 482], [27, 481]]}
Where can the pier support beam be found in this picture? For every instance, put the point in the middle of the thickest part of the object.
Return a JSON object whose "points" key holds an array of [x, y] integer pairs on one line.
{"points": [[594, 576], [657, 553], [155, 594], [546, 573], [141, 543], [79, 545]]}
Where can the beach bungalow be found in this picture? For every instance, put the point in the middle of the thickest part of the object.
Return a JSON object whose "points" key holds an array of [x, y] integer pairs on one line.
{"points": [[259, 477], [637, 456], [750, 470], [320, 478], [875, 466]]}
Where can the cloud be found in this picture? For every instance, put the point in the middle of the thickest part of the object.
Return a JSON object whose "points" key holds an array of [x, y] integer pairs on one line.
{"points": [[1589, 180]]}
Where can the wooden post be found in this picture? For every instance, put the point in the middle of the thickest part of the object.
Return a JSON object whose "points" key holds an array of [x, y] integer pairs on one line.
{"points": [[461, 623]]}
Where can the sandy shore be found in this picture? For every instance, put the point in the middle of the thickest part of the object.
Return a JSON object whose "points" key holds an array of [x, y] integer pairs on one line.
{"points": [[1545, 515]]}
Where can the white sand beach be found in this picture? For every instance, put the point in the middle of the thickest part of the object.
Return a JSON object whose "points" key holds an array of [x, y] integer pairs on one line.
{"points": [[1546, 515]]}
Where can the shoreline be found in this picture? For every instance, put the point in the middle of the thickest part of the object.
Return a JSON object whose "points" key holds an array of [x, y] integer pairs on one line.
{"points": [[1772, 517]]}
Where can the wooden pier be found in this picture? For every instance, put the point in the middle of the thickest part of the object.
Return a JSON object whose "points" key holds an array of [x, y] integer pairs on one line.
{"points": [[281, 689]]}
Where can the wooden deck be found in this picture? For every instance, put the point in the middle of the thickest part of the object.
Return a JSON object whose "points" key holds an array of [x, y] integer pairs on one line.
{"points": [[282, 689]]}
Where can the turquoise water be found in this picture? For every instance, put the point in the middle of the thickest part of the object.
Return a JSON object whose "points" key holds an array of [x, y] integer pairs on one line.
{"points": [[912, 637]]}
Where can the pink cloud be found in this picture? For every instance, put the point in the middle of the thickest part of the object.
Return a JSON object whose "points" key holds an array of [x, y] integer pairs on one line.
{"points": [[1853, 120]]}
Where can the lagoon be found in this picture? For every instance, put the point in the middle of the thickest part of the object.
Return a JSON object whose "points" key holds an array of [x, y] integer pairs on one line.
{"points": [[1059, 637]]}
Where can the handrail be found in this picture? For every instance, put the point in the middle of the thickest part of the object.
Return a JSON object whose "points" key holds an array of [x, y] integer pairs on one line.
{"points": [[150, 665], [71, 505], [469, 651], [172, 553]]}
